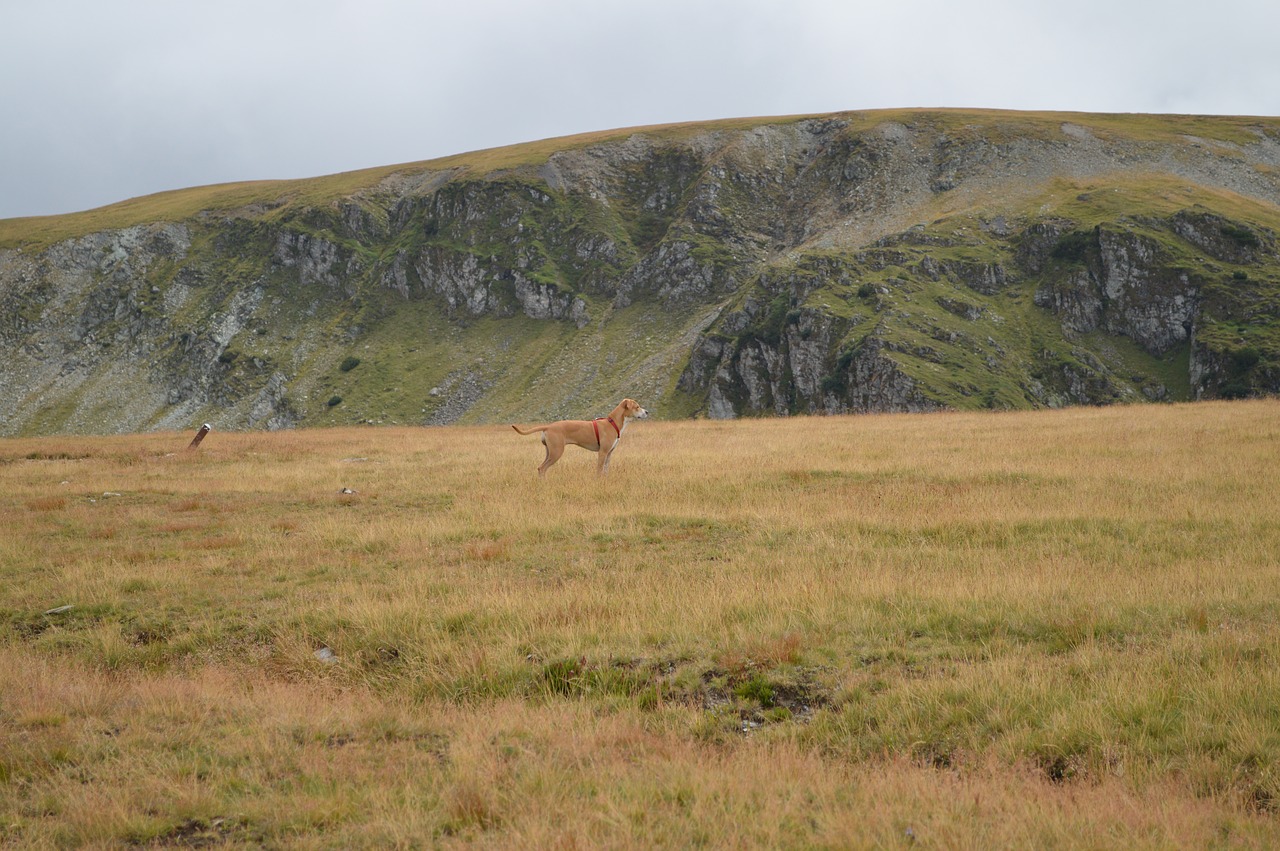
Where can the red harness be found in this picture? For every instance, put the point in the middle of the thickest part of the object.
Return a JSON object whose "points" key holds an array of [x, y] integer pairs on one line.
{"points": [[595, 424]]}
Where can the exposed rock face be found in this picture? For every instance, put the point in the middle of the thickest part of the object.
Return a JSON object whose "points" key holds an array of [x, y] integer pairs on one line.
{"points": [[1222, 239], [797, 371], [474, 288], [676, 276], [83, 310], [1126, 286], [854, 263], [317, 260]]}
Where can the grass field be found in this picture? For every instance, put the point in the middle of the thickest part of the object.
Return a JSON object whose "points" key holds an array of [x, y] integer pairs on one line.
{"points": [[1050, 629]]}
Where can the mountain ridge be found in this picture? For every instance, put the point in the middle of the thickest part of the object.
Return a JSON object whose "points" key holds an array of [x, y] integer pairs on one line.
{"points": [[861, 261]]}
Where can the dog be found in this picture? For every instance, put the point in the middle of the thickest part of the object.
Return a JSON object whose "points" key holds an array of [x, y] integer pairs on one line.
{"points": [[600, 435]]}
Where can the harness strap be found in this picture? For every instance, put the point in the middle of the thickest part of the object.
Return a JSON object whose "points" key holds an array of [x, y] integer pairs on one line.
{"points": [[595, 424]]}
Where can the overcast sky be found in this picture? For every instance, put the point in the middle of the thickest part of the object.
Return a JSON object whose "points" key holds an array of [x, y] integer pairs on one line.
{"points": [[102, 101]]}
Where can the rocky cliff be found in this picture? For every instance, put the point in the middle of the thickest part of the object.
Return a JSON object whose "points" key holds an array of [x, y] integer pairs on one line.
{"points": [[903, 261]]}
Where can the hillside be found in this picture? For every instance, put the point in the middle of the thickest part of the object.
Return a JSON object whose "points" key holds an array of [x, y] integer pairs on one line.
{"points": [[878, 261]]}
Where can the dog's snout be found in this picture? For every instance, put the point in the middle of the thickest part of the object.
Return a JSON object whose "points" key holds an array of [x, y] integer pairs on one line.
{"points": [[643, 413]]}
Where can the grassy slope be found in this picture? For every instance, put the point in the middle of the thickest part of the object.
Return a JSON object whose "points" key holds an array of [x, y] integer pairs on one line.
{"points": [[530, 369], [179, 205], [1027, 629]]}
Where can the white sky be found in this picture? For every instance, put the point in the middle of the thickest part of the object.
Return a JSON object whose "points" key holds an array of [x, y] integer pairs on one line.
{"points": [[103, 100]]}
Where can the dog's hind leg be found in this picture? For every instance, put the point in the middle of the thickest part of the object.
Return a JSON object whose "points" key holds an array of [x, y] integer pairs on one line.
{"points": [[555, 448]]}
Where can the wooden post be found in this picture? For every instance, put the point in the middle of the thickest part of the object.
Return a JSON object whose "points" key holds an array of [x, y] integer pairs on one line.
{"points": [[204, 429]]}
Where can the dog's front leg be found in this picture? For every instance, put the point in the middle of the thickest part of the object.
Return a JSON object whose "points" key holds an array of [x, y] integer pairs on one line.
{"points": [[602, 464]]}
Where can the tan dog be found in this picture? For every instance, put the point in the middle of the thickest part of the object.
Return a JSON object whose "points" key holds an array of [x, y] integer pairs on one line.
{"points": [[600, 435]]}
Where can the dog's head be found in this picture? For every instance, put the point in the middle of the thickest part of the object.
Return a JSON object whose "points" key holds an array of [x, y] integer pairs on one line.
{"points": [[631, 410]]}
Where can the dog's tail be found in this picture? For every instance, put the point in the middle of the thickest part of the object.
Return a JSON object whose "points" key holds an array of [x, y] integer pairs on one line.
{"points": [[533, 430]]}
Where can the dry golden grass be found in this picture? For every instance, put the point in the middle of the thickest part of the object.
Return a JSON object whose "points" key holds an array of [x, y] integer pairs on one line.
{"points": [[955, 630]]}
